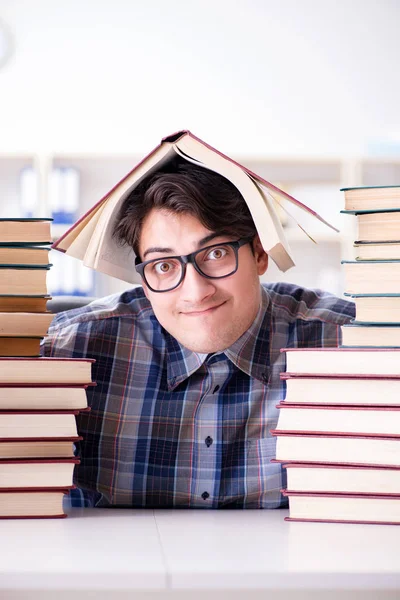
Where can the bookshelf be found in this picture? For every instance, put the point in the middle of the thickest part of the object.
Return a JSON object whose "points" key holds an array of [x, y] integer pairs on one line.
{"points": [[11, 167], [315, 181], [98, 174]]}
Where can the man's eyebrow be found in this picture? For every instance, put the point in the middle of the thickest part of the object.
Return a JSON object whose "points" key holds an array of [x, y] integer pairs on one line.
{"points": [[157, 249], [169, 251]]}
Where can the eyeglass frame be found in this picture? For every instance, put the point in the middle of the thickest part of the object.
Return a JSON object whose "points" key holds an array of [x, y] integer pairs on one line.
{"points": [[186, 259]]}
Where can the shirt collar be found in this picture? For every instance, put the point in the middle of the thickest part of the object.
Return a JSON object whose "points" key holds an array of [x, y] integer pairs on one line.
{"points": [[250, 353], [181, 362]]}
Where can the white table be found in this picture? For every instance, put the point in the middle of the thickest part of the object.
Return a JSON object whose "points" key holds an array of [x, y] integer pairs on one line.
{"points": [[196, 555]]}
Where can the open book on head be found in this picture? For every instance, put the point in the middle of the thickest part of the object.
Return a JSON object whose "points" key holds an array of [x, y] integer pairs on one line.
{"points": [[91, 240]]}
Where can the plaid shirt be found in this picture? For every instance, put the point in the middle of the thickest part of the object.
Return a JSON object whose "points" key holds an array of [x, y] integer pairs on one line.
{"points": [[174, 428]]}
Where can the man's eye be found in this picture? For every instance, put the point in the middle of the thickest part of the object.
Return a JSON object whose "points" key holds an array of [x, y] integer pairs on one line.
{"points": [[216, 254], [164, 268]]}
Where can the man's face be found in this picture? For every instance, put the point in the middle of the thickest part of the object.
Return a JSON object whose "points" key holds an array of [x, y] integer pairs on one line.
{"points": [[204, 315]]}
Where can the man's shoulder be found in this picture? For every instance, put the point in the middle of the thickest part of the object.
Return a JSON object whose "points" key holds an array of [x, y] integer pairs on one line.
{"points": [[291, 302], [131, 304]]}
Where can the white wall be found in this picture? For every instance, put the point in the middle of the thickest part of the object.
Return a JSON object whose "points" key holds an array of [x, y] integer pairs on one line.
{"points": [[249, 76]]}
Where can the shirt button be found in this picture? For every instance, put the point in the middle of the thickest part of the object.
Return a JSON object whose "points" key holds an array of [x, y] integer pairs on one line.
{"points": [[205, 495], [208, 441], [264, 377]]}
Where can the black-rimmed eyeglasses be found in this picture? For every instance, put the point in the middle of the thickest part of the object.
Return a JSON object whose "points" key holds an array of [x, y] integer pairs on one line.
{"points": [[213, 262]]}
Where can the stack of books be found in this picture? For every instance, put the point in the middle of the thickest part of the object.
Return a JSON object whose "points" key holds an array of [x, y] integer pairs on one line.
{"points": [[39, 397], [338, 433], [373, 279], [24, 264]]}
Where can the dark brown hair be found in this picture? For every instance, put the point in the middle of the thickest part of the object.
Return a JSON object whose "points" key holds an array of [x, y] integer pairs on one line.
{"points": [[183, 187]]}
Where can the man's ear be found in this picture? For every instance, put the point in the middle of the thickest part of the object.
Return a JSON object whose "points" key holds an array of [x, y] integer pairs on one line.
{"points": [[260, 256]]}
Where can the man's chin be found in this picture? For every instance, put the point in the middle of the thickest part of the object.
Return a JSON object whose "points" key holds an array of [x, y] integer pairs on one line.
{"points": [[204, 346]]}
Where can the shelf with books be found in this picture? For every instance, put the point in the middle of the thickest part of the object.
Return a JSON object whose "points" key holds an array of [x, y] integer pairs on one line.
{"points": [[381, 171], [97, 175], [64, 194], [317, 266], [68, 277], [298, 170], [11, 193]]}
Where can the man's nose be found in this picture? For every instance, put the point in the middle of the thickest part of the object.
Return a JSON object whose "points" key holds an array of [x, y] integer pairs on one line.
{"points": [[195, 287]]}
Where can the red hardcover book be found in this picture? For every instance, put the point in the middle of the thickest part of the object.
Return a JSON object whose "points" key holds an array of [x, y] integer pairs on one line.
{"points": [[337, 449], [91, 239], [27, 302], [38, 447], [342, 390], [343, 508], [76, 371], [37, 473], [342, 361], [43, 396], [32, 503], [333, 420], [38, 423], [321, 478], [26, 347]]}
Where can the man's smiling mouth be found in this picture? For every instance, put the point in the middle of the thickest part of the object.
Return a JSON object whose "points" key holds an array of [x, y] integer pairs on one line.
{"points": [[197, 313]]}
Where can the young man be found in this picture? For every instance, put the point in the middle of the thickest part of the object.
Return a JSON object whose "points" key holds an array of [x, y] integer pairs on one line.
{"points": [[187, 367]]}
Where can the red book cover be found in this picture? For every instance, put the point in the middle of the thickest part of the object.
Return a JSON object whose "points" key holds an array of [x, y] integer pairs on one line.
{"points": [[43, 398], [28, 448], [294, 465], [31, 461], [342, 496], [73, 411], [286, 375], [337, 362], [330, 434], [15, 491], [362, 408], [42, 439], [341, 390], [33, 490], [338, 375], [46, 358], [311, 436], [283, 405], [335, 349], [38, 461], [341, 466], [47, 385], [277, 432], [330, 495], [263, 181], [173, 138], [332, 465], [329, 407]]}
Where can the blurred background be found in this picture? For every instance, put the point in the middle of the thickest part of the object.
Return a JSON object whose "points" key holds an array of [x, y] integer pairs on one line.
{"points": [[306, 93]]}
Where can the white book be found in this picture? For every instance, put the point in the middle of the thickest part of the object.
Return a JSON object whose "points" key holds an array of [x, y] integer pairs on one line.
{"points": [[90, 238]]}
